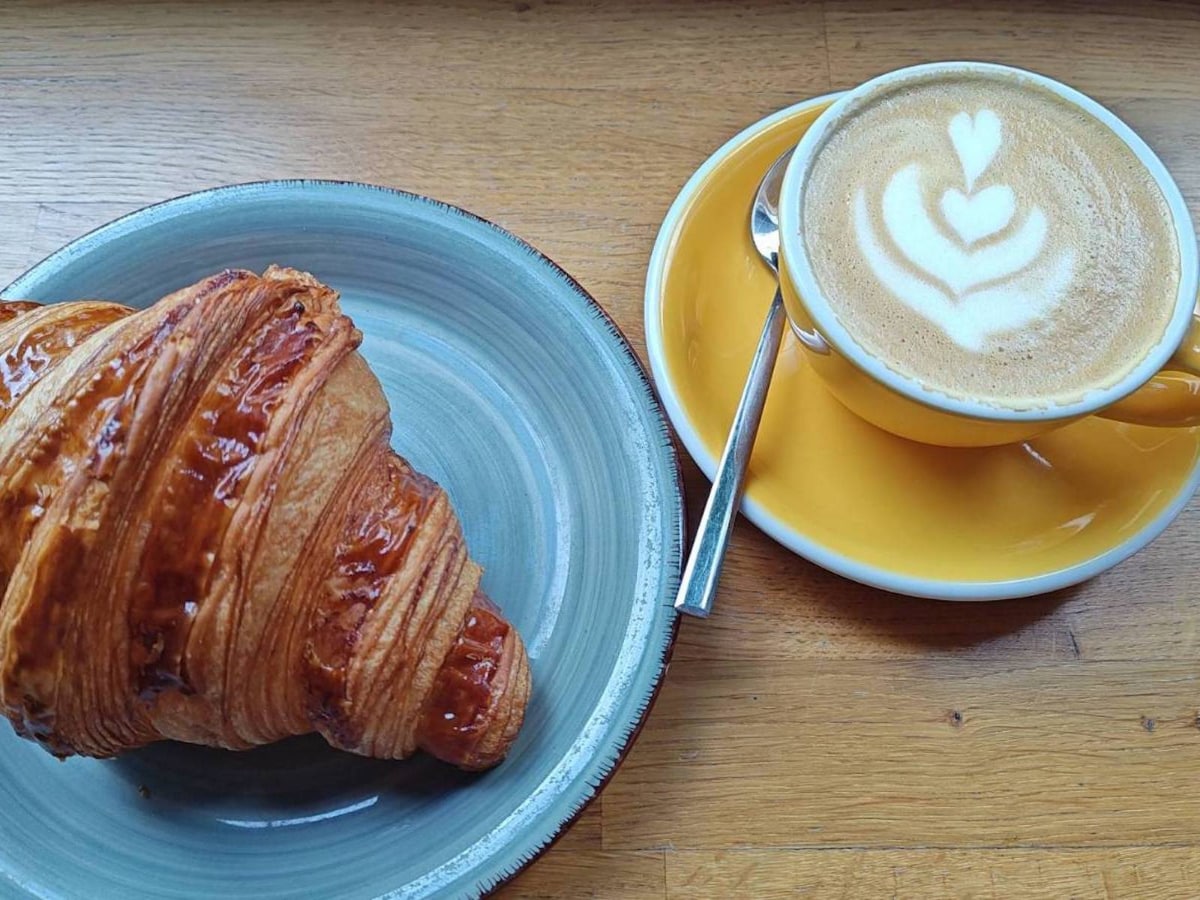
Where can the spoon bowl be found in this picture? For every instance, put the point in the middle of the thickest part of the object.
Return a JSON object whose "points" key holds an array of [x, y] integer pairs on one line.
{"points": [[764, 215]]}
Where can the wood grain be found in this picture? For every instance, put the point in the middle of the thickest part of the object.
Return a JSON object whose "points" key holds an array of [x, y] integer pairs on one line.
{"points": [[940, 753], [814, 738], [1144, 872]]}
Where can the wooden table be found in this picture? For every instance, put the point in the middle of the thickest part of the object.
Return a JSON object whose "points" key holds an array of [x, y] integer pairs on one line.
{"points": [[814, 737]]}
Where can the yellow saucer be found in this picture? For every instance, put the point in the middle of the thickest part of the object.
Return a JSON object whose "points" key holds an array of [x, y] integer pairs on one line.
{"points": [[947, 523]]}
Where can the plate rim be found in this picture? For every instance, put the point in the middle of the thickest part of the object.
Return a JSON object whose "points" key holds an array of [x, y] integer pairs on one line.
{"points": [[491, 876], [790, 538]]}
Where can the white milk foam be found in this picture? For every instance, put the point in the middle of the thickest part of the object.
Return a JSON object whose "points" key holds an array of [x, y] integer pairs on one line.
{"points": [[990, 239]]}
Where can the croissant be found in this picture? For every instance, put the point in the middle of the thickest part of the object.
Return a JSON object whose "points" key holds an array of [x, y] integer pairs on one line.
{"points": [[205, 537]]}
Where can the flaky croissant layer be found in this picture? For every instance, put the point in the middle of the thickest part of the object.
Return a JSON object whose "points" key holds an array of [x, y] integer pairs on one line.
{"points": [[205, 537]]}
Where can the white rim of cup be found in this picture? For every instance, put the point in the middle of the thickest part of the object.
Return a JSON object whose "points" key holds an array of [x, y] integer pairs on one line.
{"points": [[827, 323]]}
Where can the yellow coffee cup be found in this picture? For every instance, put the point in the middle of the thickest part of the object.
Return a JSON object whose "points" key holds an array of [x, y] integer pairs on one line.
{"points": [[1163, 388]]}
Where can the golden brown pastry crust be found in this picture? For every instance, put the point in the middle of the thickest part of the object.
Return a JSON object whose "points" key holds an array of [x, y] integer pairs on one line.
{"points": [[205, 536]]}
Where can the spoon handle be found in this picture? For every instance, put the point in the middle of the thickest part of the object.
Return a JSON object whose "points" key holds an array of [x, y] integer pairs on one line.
{"points": [[699, 584]]}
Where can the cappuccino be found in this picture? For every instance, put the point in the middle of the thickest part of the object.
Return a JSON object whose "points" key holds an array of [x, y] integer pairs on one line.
{"points": [[990, 239]]}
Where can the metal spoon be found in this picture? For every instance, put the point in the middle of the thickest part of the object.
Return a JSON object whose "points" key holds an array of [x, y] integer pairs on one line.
{"points": [[699, 584]]}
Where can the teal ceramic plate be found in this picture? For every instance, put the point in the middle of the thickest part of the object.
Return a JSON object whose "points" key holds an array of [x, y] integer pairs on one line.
{"points": [[510, 386]]}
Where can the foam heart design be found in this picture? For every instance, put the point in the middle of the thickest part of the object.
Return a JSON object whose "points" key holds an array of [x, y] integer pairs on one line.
{"points": [[969, 292], [930, 249], [979, 215], [976, 141], [968, 305]]}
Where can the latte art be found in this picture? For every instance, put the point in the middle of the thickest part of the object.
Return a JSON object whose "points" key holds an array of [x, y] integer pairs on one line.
{"points": [[990, 239], [970, 294]]}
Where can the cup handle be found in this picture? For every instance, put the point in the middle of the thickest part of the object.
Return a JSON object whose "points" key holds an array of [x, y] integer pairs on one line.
{"points": [[1172, 397]]}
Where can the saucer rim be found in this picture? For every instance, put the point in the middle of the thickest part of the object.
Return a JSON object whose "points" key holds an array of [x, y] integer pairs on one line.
{"points": [[786, 535]]}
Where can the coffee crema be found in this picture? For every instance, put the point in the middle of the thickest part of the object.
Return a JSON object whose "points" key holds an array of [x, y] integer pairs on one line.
{"points": [[990, 239]]}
